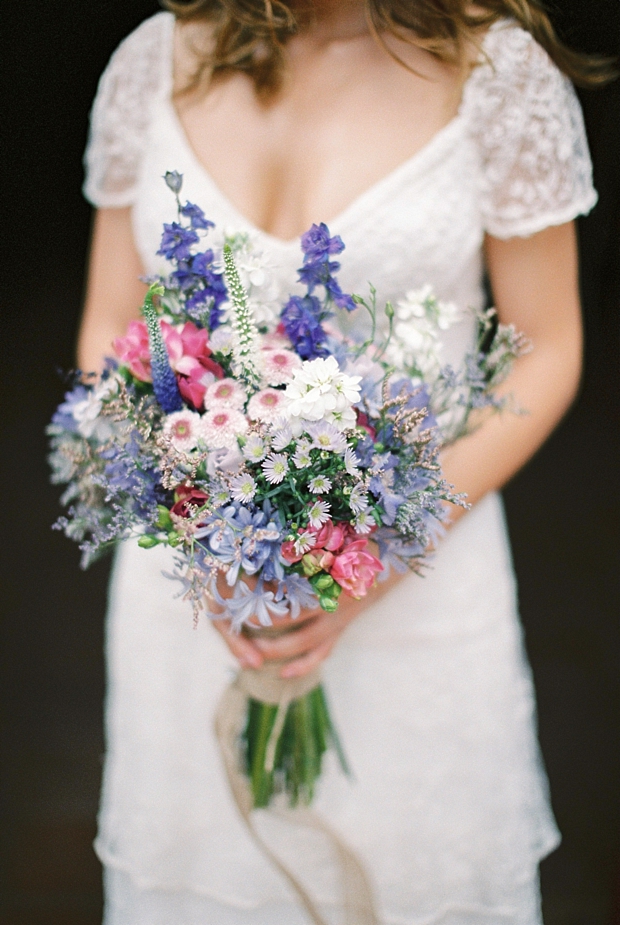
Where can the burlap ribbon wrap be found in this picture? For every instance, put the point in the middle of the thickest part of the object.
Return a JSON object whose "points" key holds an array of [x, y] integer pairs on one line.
{"points": [[265, 685]]}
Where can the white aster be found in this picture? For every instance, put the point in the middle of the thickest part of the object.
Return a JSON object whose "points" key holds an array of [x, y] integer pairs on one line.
{"points": [[254, 448], [319, 485], [326, 436], [275, 467], [243, 488], [351, 461], [319, 513], [281, 434], [304, 542], [364, 522], [302, 457], [358, 499]]}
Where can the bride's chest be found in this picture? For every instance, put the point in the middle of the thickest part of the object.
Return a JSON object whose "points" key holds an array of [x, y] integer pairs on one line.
{"points": [[419, 223]]}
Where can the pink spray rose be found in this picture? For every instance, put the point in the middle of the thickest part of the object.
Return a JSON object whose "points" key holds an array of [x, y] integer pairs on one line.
{"points": [[188, 352], [355, 569]]}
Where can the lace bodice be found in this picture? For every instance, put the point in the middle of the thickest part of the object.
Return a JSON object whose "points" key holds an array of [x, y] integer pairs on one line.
{"points": [[521, 112]]}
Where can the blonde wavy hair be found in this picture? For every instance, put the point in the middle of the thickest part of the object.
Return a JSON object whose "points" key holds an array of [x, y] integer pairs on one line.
{"points": [[250, 35]]}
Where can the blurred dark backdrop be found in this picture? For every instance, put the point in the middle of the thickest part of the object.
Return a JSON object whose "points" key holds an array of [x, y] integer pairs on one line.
{"points": [[563, 509]]}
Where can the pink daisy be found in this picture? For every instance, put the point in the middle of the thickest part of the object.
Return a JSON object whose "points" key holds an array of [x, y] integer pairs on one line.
{"points": [[266, 405], [221, 426], [183, 429], [279, 365], [225, 392]]}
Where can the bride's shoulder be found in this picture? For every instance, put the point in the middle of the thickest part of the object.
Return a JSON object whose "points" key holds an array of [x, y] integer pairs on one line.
{"points": [[137, 75], [510, 57]]}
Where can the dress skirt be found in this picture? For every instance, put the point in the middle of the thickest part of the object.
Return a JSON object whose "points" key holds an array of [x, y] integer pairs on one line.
{"points": [[432, 695]]}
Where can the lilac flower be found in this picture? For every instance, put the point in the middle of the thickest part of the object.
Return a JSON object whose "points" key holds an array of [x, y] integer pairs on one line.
{"points": [[63, 416], [275, 468], [176, 242], [196, 216]]}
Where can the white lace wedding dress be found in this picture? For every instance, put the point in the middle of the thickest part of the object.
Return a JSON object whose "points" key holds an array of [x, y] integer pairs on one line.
{"points": [[430, 689]]}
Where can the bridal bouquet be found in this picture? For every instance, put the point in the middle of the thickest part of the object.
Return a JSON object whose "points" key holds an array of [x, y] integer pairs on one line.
{"points": [[282, 460]]}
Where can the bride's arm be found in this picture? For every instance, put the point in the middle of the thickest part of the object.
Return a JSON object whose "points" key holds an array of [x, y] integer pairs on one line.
{"points": [[114, 292], [535, 285]]}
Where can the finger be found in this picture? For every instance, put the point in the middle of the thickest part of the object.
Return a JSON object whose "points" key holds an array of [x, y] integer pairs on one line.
{"points": [[244, 649], [297, 641], [306, 663]]}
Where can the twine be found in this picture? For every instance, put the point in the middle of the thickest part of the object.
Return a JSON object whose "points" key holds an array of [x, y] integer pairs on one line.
{"points": [[267, 686]]}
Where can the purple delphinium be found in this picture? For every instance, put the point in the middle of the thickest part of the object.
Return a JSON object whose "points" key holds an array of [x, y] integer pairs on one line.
{"points": [[176, 241], [301, 317], [196, 216]]}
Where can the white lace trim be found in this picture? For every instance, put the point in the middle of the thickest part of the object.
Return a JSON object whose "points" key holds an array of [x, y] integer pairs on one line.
{"points": [[138, 74], [521, 111], [526, 120]]}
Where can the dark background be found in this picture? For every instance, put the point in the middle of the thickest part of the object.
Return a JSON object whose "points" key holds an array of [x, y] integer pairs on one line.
{"points": [[563, 509]]}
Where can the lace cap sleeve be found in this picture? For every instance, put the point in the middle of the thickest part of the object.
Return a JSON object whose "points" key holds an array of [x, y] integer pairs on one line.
{"points": [[138, 73], [527, 123]]}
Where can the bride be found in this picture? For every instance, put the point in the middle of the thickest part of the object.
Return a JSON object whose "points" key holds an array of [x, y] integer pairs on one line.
{"points": [[441, 141]]}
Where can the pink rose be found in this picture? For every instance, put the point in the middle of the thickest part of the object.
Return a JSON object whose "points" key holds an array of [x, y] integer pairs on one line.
{"points": [[355, 569]]}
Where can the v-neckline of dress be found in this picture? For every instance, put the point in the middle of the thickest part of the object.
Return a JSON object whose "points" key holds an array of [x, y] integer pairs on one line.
{"points": [[423, 157]]}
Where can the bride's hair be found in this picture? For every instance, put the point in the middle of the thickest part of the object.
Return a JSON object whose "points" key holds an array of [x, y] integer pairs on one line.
{"points": [[249, 35]]}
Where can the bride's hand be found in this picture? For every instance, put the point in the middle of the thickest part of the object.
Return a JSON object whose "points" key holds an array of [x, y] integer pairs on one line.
{"points": [[310, 639]]}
